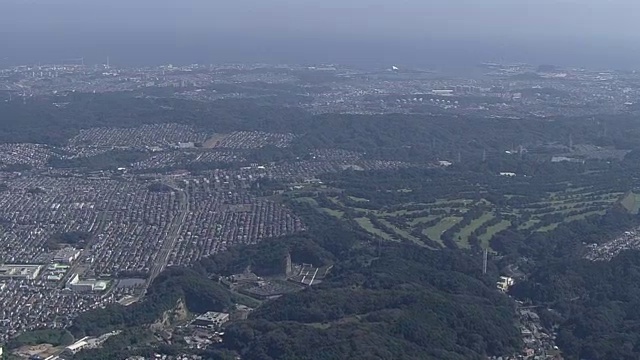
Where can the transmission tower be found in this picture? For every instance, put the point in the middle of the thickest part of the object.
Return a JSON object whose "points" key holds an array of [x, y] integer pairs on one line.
{"points": [[485, 256]]}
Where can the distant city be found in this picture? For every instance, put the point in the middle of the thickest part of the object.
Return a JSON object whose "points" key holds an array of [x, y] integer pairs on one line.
{"points": [[499, 90]]}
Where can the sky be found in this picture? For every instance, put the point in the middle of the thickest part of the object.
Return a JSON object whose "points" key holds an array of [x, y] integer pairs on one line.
{"points": [[550, 31]]}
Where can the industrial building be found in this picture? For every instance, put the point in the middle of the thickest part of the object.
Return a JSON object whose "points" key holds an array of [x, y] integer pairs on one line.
{"points": [[66, 255], [211, 320], [442, 92], [77, 346], [88, 285], [186, 145], [14, 271], [244, 278]]}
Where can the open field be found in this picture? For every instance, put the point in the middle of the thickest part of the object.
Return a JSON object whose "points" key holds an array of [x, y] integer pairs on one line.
{"points": [[400, 232], [492, 230], [631, 202], [464, 234], [465, 223], [214, 140], [435, 232], [367, 225], [333, 212]]}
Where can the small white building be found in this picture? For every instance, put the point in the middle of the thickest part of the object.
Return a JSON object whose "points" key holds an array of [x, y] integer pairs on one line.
{"points": [[186, 145], [505, 283], [442, 92], [77, 346]]}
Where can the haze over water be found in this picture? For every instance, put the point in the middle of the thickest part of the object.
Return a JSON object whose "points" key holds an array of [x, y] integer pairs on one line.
{"points": [[452, 33]]}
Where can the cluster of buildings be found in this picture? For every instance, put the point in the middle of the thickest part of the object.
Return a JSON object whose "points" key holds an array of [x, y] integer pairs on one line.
{"points": [[167, 357], [153, 136], [19, 271], [250, 284], [629, 240], [23, 156], [539, 342], [294, 277], [252, 140], [55, 272], [35, 304], [180, 158], [220, 219], [134, 232], [503, 90]]}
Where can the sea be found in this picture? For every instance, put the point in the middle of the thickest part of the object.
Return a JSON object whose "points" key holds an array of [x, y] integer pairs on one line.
{"points": [[153, 48]]}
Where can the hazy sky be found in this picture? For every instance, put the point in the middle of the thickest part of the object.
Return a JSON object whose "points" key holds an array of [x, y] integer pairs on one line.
{"points": [[525, 25]]}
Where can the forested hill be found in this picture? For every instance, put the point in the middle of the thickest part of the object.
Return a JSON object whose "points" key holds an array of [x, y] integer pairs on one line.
{"points": [[406, 304], [398, 301], [41, 121], [408, 137]]}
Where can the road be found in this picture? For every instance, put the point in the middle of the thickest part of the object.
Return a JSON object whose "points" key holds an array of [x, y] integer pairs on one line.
{"points": [[171, 238], [100, 223]]}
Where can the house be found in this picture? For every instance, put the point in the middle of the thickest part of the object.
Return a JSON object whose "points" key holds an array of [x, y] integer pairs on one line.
{"points": [[505, 283]]}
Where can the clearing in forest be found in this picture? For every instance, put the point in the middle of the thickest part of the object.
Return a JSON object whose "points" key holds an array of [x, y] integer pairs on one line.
{"points": [[214, 140], [368, 226], [425, 223]]}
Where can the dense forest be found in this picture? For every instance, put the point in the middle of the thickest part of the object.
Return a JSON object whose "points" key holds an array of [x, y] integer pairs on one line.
{"points": [[404, 304], [415, 138], [40, 121]]}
